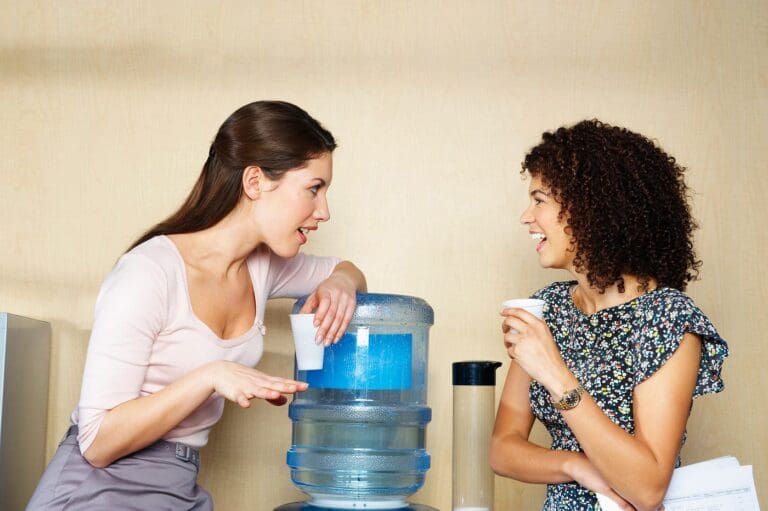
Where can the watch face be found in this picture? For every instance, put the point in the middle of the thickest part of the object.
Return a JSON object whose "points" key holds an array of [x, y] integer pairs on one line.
{"points": [[569, 399]]}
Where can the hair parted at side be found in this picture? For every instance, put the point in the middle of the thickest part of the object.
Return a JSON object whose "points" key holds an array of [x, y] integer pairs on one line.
{"points": [[625, 200], [274, 135]]}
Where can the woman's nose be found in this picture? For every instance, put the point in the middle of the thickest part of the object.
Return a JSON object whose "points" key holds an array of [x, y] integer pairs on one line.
{"points": [[526, 217], [323, 213]]}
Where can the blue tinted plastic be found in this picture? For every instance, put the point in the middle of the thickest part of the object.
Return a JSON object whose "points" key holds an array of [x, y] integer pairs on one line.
{"points": [[383, 362], [359, 432]]}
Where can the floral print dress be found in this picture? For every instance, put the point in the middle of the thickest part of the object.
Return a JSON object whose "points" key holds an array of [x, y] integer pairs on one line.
{"points": [[610, 353]]}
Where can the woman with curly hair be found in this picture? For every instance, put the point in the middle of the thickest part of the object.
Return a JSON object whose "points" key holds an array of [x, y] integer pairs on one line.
{"points": [[613, 367]]}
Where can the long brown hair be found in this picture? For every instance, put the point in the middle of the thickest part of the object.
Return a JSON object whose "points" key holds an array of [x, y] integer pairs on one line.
{"points": [[274, 135]]}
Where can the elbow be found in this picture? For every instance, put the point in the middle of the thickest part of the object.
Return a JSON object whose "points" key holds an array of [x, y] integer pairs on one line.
{"points": [[650, 500], [498, 467], [96, 462], [95, 459], [651, 507], [496, 458], [495, 464]]}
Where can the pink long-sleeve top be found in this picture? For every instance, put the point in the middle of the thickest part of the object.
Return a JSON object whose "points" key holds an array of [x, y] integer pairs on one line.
{"points": [[146, 336]]}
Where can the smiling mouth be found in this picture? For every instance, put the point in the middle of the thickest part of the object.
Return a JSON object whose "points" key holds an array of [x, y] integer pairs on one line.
{"points": [[539, 238]]}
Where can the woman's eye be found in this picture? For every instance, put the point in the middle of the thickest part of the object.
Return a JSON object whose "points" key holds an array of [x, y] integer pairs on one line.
{"points": [[315, 189], [537, 201]]}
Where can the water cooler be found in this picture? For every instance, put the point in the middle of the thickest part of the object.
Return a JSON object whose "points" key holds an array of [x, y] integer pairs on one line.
{"points": [[359, 431]]}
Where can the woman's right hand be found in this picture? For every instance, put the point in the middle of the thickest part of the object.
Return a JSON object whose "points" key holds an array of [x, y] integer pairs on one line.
{"points": [[584, 472], [240, 384]]}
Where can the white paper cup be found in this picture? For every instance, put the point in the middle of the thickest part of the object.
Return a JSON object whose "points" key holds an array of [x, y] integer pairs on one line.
{"points": [[535, 307], [309, 355]]}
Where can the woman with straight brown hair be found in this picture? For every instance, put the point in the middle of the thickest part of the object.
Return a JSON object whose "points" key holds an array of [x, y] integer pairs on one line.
{"points": [[179, 320]]}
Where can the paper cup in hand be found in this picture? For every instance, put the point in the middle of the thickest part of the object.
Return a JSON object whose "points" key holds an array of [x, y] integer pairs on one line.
{"points": [[309, 355], [535, 307]]}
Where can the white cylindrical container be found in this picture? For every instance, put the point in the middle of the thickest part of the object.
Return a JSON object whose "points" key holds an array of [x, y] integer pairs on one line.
{"points": [[474, 385]]}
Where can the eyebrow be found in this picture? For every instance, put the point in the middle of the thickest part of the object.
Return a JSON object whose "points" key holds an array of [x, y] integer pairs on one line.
{"points": [[535, 191], [322, 181]]}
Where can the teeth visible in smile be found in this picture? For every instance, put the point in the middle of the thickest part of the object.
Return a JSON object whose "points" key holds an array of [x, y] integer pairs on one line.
{"points": [[303, 230], [538, 236]]}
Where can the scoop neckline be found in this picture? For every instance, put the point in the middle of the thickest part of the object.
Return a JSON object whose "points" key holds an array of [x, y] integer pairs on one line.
{"points": [[571, 287], [258, 325]]}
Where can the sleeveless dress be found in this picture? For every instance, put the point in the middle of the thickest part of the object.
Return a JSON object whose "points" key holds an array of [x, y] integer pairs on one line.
{"points": [[610, 353]]}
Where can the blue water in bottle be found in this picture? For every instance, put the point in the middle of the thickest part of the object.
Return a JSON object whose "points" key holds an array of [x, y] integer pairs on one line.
{"points": [[359, 432]]}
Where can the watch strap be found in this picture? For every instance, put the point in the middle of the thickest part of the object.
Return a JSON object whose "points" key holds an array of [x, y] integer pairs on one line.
{"points": [[569, 399]]}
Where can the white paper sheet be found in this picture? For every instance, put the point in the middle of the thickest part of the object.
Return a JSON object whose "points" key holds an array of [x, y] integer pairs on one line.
{"points": [[714, 485]]}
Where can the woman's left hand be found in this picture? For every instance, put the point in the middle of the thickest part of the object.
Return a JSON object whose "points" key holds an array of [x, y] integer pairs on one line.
{"points": [[335, 302], [529, 342]]}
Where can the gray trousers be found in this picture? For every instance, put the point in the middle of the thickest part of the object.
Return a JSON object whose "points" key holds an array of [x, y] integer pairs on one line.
{"points": [[162, 476]]}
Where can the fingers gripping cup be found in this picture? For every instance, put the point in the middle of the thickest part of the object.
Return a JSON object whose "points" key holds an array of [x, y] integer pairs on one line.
{"points": [[309, 354], [535, 307]]}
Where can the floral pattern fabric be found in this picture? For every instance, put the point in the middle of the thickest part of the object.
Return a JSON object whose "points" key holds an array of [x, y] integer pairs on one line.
{"points": [[612, 351]]}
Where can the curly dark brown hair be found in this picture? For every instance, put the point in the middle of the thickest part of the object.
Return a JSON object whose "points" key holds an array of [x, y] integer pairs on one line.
{"points": [[625, 200]]}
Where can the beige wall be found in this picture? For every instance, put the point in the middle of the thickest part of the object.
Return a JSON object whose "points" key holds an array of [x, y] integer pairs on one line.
{"points": [[108, 109]]}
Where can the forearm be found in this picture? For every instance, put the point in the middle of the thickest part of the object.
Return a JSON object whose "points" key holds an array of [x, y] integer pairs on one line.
{"points": [[627, 464], [135, 424], [349, 271], [519, 459]]}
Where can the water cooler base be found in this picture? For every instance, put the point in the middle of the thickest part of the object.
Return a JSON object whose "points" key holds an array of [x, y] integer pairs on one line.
{"points": [[306, 506]]}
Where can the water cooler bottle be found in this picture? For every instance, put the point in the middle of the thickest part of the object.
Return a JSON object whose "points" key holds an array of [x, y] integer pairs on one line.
{"points": [[359, 431]]}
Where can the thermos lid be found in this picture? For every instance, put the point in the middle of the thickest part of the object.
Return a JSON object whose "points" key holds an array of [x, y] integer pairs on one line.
{"points": [[475, 372]]}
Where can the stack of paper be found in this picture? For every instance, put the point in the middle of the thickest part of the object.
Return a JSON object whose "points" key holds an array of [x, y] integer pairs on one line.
{"points": [[720, 484]]}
